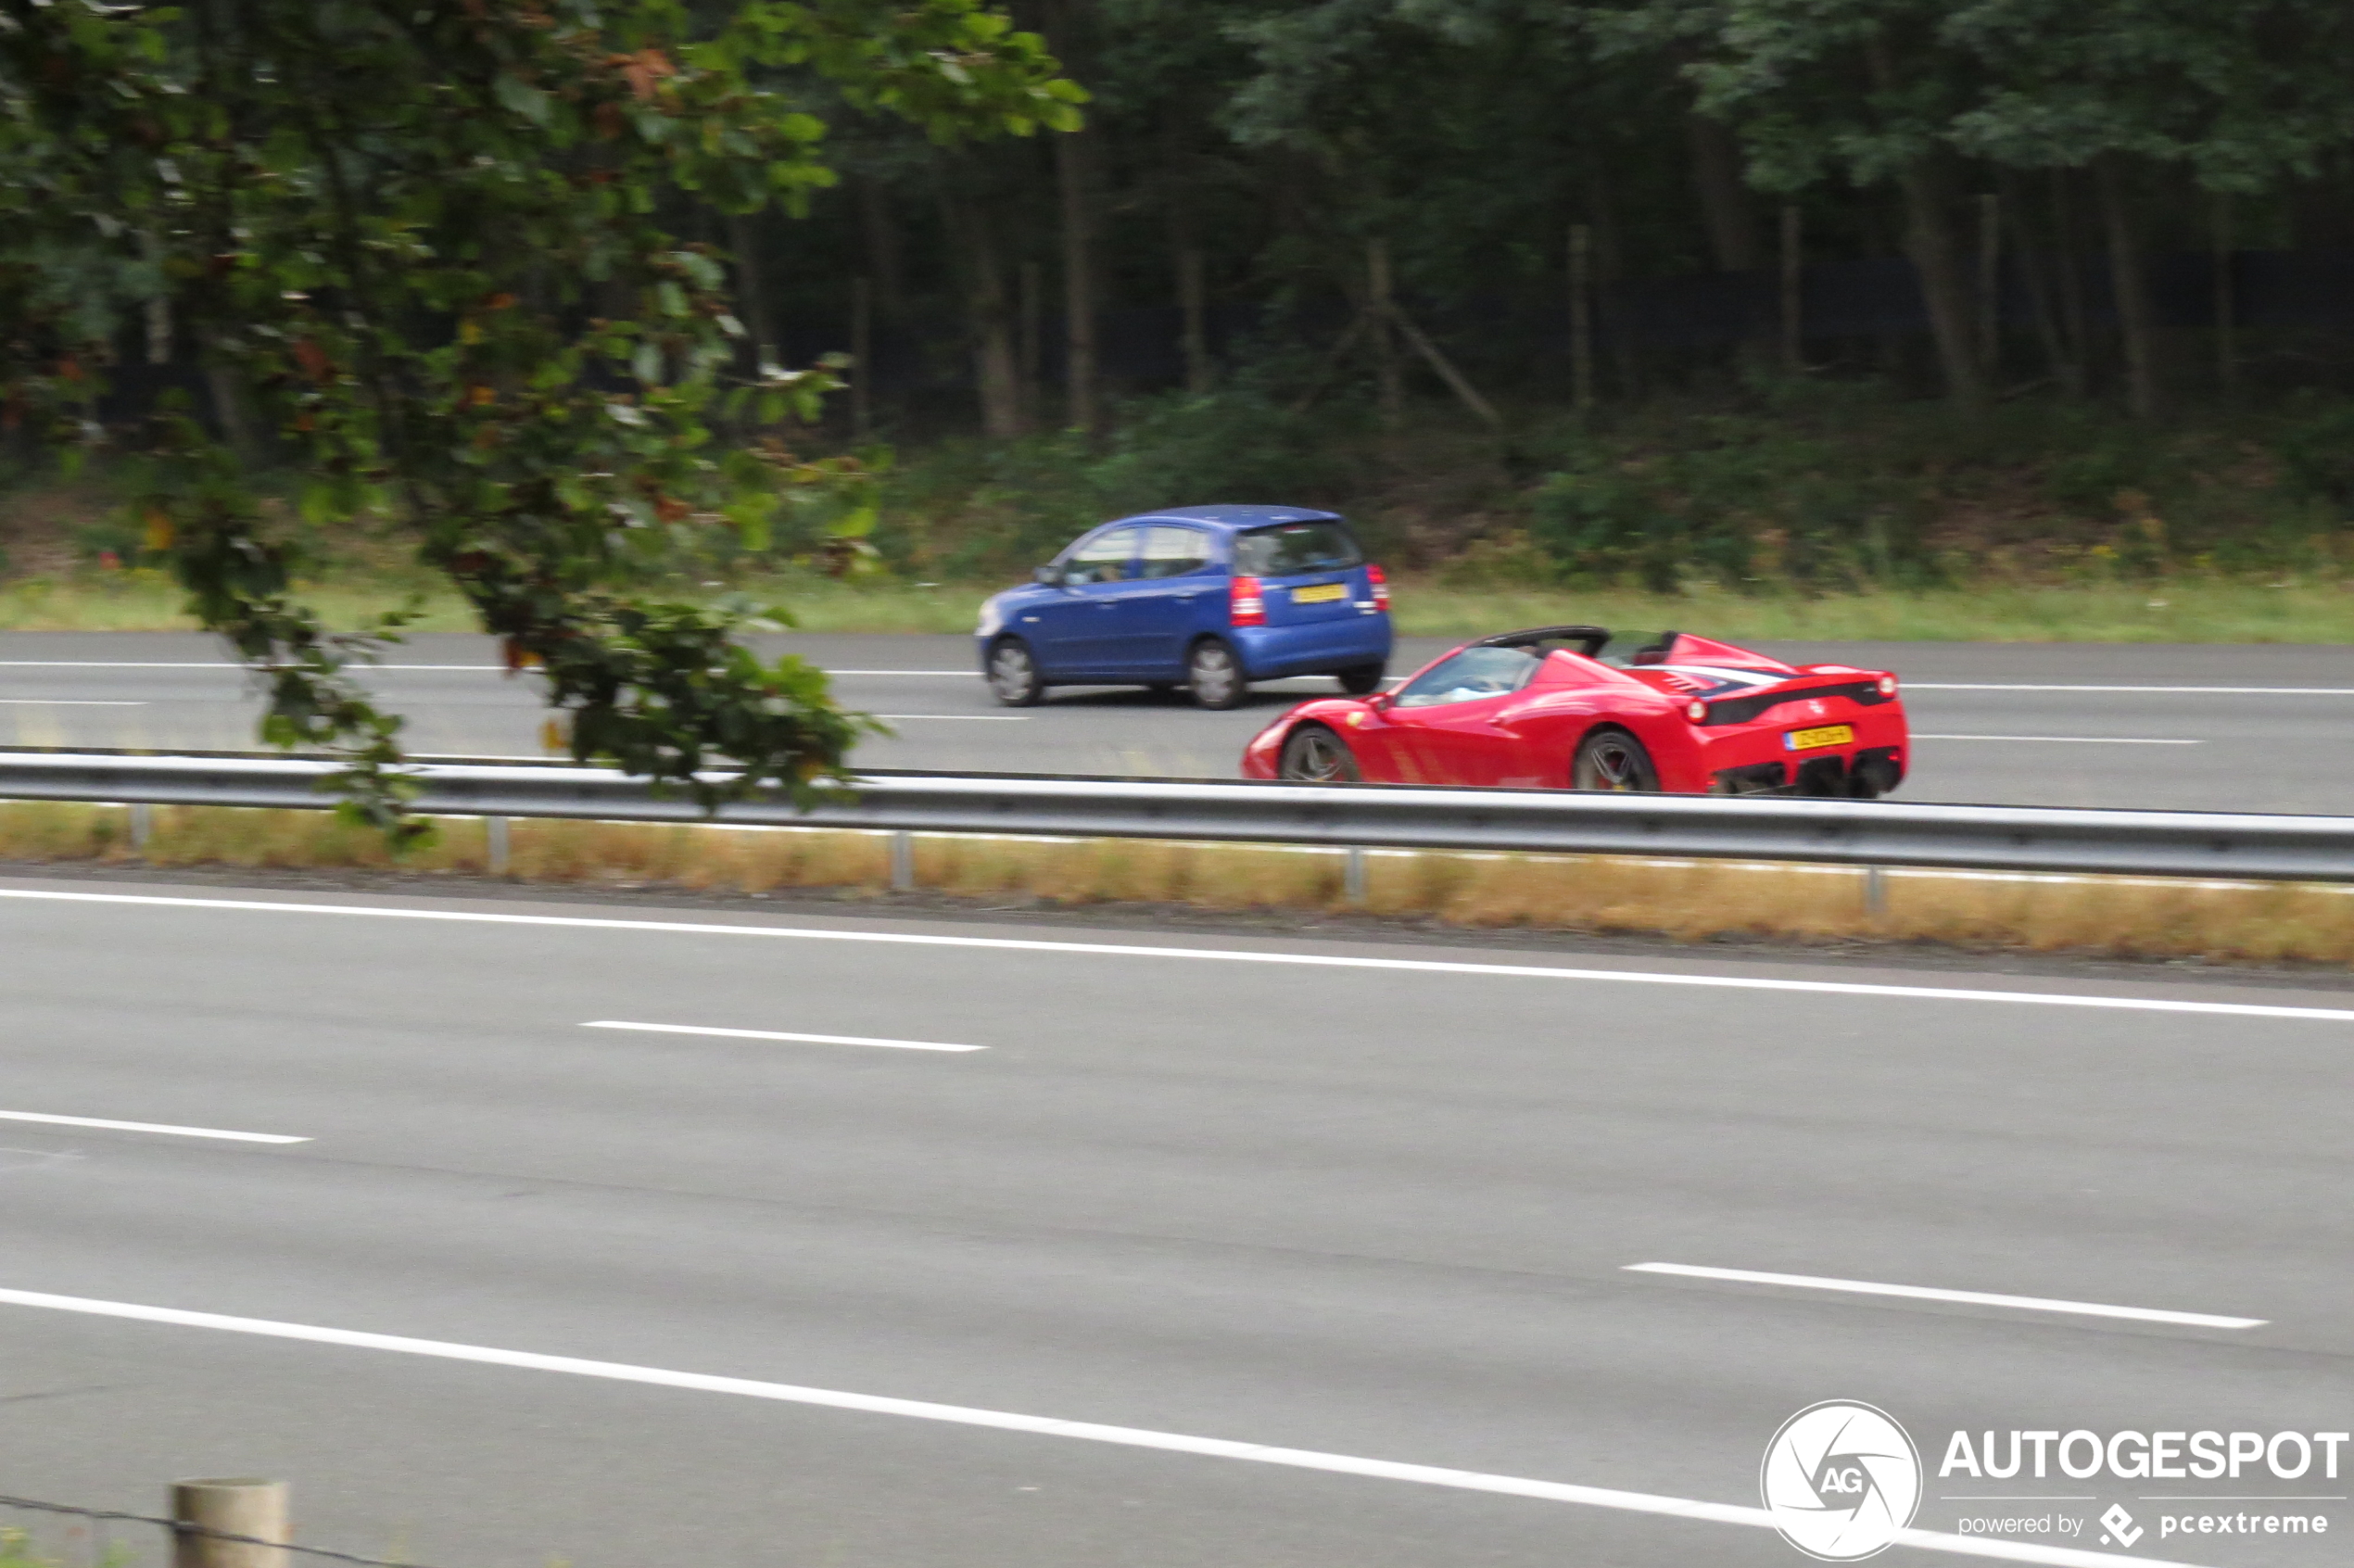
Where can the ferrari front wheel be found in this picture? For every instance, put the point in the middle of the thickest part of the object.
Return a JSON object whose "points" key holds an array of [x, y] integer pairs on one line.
{"points": [[1313, 754], [1611, 759]]}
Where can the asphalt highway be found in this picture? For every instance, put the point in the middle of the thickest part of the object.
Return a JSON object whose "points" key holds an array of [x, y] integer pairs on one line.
{"points": [[819, 1292], [2253, 729]]}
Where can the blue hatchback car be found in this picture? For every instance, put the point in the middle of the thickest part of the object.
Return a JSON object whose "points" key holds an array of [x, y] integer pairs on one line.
{"points": [[1210, 598]]}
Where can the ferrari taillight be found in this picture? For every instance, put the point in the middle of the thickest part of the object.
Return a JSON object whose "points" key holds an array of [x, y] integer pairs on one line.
{"points": [[1246, 605], [1696, 711], [1374, 575], [1888, 686]]}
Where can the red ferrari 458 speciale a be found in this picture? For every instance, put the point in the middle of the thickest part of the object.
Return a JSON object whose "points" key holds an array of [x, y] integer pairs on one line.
{"points": [[1581, 708]]}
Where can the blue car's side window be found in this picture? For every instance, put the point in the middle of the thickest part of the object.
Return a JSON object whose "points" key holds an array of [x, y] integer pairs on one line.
{"points": [[1103, 559], [1173, 551]]}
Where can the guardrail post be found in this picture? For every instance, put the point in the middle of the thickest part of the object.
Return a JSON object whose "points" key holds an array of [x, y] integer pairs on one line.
{"points": [[1875, 892], [206, 1510], [494, 832], [143, 824], [1352, 878], [903, 862]]}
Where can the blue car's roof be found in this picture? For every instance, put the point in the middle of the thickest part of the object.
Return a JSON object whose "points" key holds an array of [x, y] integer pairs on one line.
{"points": [[1235, 518]]}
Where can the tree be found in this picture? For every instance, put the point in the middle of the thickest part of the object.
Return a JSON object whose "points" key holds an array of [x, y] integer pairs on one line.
{"points": [[425, 239]]}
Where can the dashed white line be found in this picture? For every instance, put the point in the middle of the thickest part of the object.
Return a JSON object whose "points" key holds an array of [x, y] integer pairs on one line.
{"points": [[1219, 955], [1048, 1426], [2067, 740], [1963, 1297], [779, 1034], [962, 718], [66, 703], [163, 1128]]}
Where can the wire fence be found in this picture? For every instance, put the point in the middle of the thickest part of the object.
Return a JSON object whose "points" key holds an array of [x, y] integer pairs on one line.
{"points": [[89, 1538]]}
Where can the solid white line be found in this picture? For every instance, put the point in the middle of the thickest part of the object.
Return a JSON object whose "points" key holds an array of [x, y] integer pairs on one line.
{"points": [[1228, 956], [1967, 1297], [1049, 1426], [974, 672], [199, 665], [773, 1035], [2220, 690], [967, 718], [2065, 739], [151, 1127], [65, 702]]}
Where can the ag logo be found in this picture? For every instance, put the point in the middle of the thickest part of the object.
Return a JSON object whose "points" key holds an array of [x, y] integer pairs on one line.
{"points": [[1840, 1480]]}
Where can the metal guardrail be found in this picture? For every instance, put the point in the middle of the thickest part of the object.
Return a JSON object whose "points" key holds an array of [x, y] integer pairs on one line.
{"points": [[2161, 844]]}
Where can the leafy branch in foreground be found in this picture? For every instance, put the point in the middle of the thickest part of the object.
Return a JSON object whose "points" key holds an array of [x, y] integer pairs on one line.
{"points": [[421, 246]]}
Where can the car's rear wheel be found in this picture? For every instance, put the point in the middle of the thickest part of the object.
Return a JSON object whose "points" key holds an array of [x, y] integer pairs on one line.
{"points": [[1364, 681], [1313, 754], [1215, 676], [1013, 674], [1611, 759]]}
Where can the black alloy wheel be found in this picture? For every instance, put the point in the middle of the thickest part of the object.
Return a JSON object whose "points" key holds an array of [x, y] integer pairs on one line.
{"points": [[1313, 754], [1013, 674], [1363, 680], [1215, 676], [1611, 759]]}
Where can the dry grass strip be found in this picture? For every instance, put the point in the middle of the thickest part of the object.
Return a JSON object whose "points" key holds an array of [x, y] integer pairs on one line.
{"points": [[1691, 901]]}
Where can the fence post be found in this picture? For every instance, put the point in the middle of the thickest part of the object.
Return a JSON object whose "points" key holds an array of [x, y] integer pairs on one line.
{"points": [[240, 1507], [903, 861], [1353, 878], [143, 824], [1875, 892], [494, 832]]}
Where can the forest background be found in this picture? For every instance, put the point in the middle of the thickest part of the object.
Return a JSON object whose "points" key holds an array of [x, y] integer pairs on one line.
{"points": [[1862, 317]]}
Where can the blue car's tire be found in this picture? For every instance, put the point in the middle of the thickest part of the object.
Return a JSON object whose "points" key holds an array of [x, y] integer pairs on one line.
{"points": [[1013, 674], [1363, 680], [1215, 676]]}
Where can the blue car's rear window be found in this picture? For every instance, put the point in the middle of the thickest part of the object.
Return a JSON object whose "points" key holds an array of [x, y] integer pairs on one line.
{"points": [[1288, 548]]}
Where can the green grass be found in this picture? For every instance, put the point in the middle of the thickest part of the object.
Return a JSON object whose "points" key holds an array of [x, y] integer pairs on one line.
{"points": [[2184, 610]]}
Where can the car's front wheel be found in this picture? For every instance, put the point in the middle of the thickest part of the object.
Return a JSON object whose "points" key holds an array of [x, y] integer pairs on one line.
{"points": [[1364, 681], [1313, 754], [1013, 674], [1611, 759], [1215, 676]]}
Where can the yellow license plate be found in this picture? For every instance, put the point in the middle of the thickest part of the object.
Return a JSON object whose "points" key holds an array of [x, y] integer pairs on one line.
{"points": [[1323, 593], [1829, 735]]}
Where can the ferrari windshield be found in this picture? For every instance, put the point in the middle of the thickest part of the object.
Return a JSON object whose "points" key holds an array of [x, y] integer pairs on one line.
{"points": [[1470, 675]]}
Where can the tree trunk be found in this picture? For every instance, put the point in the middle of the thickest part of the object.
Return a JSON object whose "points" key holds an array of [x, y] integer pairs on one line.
{"points": [[1193, 304], [1389, 378], [2066, 373], [1581, 317], [2227, 359], [1072, 167], [751, 298], [1033, 291], [1794, 291], [862, 357], [996, 365], [1928, 240], [2136, 329], [1725, 202], [886, 256], [2072, 277]]}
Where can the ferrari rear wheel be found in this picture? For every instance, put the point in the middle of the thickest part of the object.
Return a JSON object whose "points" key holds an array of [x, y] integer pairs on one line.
{"points": [[1313, 754], [1611, 759]]}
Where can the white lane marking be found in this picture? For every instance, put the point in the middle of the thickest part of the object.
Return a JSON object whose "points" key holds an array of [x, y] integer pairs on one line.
{"points": [[775, 1034], [201, 664], [966, 718], [151, 1127], [2219, 691], [1965, 1297], [66, 703], [1229, 956], [2065, 739], [974, 672], [1046, 1426]]}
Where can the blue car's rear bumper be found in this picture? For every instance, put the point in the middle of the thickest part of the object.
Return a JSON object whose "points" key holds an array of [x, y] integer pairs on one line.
{"points": [[1319, 648]]}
